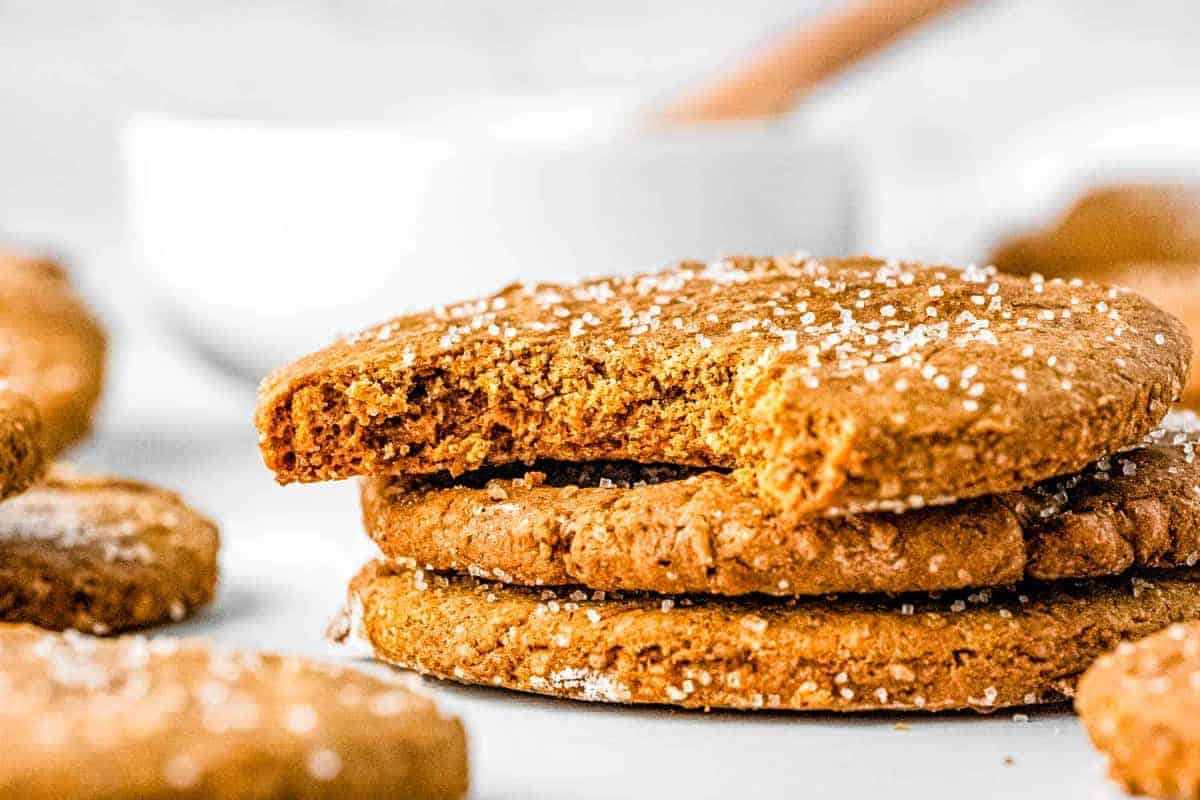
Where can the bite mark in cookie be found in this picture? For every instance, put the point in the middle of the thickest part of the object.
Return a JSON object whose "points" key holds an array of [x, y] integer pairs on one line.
{"points": [[854, 385]]}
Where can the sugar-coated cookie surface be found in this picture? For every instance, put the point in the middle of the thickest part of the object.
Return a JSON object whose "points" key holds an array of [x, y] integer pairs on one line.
{"points": [[22, 449], [1175, 288], [843, 385], [52, 350], [1141, 707], [137, 718], [982, 650], [102, 554], [625, 526], [1143, 236]]}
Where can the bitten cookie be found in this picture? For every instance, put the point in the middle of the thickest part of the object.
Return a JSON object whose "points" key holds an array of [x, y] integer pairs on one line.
{"points": [[981, 651], [137, 718], [849, 386], [102, 554], [22, 452], [1141, 707], [625, 526], [52, 350]]}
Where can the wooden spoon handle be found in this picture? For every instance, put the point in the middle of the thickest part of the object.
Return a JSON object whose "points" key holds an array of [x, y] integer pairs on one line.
{"points": [[771, 81]]}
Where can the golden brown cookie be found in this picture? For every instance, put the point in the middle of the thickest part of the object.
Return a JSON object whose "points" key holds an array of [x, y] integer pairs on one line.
{"points": [[102, 555], [625, 526], [982, 651], [832, 385], [22, 451], [139, 718], [1174, 286], [51, 347], [1110, 226], [1145, 237], [1141, 707]]}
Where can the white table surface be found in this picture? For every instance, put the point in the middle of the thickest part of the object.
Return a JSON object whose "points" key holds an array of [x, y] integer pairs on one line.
{"points": [[288, 553], [942, 123]]}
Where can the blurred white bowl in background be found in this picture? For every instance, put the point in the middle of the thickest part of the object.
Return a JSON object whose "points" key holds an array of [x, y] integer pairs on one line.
{"points": [[263, 240]]}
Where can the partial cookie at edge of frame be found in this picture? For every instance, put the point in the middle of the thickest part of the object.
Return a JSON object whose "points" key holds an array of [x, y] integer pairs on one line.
{"points": [[22, 452], [136, 718], [1141, 707], [52, 349]]}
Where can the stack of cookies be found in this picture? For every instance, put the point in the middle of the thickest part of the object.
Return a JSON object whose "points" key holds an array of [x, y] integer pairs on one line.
{"points": [[762, 483]]}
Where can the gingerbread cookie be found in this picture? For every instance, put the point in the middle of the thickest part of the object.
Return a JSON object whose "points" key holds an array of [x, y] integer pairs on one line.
{"points": [[625, 526], [22, 451], [137, 718], [102, 554], [1141, 707], [52, 350], [849, 386], [983, 651]]}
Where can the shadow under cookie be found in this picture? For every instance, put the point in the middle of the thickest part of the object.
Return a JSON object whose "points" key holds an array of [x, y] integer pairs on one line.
{"points": [[102, 555]]}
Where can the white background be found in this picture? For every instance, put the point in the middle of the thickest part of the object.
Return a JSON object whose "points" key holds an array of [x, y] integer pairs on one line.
{"points": [[975, 124]]}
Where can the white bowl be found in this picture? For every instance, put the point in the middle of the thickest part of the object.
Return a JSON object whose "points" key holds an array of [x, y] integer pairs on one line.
{"points": [[263, 240]]}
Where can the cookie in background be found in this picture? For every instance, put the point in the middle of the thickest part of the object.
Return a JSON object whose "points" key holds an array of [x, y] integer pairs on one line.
{"points": [[136, 717], [52, 348], [103, 555], [1143, 236]]}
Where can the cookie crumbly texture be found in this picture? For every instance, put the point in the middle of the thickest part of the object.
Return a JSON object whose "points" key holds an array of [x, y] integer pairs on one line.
{"points": [[849, 385], [983, 651], [137, 718], [52, 350], [625, 526], [1141, 707], [1142, 236], [102, 555], [22, 453]]}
